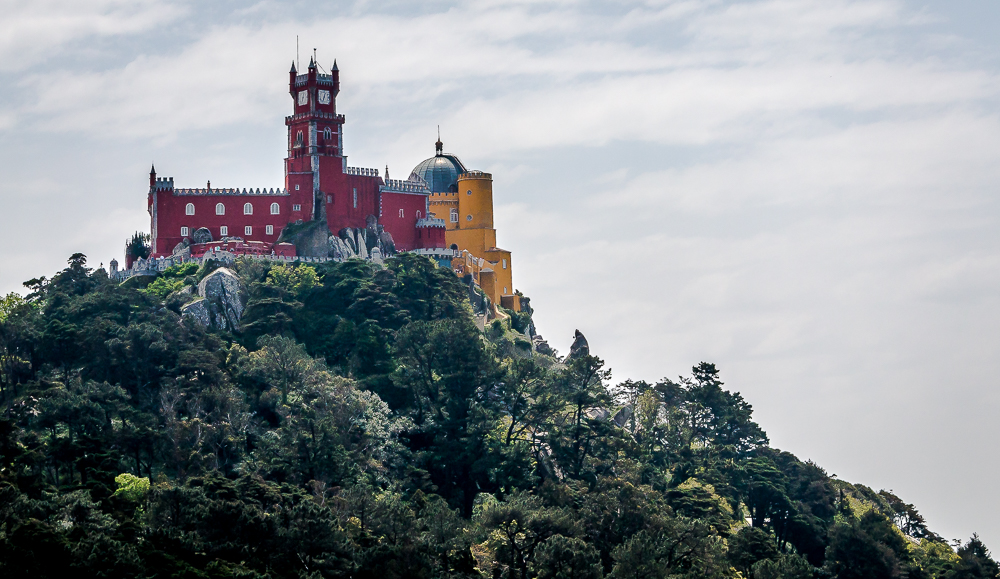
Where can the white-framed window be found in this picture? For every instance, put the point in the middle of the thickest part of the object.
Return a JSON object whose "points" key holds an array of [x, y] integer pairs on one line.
{"points": [[269, 230], [248, 230], [329, 198], [220, 209], [453, 215], [223, 231], [401, 213], [418, 215], [504, 289], [327, 134], [296, 187], [505, 266], [248, 209], [189, 209], [298, 139], [468, 217], [296, 207], [184, 231], [355, 198], [275, 209]]}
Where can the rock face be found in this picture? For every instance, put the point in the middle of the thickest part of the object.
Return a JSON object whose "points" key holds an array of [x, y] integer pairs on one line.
{"points": [[202, 235], [362, 243], [580, 347], [309, 240], [221, 306]]}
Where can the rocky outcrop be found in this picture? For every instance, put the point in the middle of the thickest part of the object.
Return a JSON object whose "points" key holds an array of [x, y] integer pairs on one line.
{"points": [[309, 239], [362, 242], [539, 344], [580, 347], [222, 303]]}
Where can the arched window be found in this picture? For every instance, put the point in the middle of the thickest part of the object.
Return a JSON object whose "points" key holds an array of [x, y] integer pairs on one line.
{"points": [[189, 209], [220, 209], [327, 134], [453, 215], [418, 215], [247, 209], [275, 209], [298, 139]]}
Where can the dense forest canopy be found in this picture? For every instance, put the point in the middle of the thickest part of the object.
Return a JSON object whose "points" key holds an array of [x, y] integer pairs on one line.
{"points": [[360, 424]]}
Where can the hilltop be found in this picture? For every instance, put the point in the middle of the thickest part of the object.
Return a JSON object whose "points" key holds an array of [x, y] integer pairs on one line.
{"points": [[363, 419]]}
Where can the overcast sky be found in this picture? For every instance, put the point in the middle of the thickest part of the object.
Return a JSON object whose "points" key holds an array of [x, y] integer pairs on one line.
{"points": [[806, 193]]}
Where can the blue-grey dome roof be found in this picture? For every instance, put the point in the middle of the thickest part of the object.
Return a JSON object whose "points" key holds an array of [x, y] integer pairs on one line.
{"points": [[441, 172]]}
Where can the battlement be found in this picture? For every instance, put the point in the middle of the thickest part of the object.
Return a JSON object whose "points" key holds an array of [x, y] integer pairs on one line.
{"points": [[163, 184], [237, 191], [321, 79], [430, 222], [476, 175], [361, 171], [401, 186], [314, 115]]}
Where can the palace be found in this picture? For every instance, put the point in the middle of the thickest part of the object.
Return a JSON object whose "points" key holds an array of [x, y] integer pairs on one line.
{"points": [[443, 210]]}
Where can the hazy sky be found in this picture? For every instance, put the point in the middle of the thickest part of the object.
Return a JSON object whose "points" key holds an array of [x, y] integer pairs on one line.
{"points": [[806, 193]]}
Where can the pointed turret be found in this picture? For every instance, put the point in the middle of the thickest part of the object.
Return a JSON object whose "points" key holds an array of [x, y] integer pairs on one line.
{"points": [[152, 176], [293, 71], [291, 80], [334, 67]]}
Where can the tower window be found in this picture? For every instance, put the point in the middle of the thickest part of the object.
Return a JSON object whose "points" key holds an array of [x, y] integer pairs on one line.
{"points": [[505, 266], [468, 217], [223, 231], [469, 192], [247, 209], [184, 231], [298, 139], [327, 134], [269, 230], [220, 209], [418, 215], [248, 230], [355, 198], [401, 213], [453, 215], [275, 209], [189, 209]]}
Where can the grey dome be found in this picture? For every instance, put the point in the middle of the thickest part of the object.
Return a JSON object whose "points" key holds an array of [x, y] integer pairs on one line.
{"points": [[441, 172]]}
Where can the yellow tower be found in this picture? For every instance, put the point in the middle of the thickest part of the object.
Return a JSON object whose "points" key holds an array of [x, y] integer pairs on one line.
{"points": [[464, 199]]}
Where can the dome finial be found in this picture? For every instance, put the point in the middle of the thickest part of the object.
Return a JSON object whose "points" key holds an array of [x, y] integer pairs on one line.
{"points": [[439, 146]]}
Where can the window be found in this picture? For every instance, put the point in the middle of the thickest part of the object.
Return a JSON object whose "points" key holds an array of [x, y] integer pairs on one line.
{"points": [[505, 266], [505, 289], [296, 187], [248, 230], [269, 230], [327, 134], [296, 208], [184, 231], [220, 209], [401, 213], [355, 198], [223, 231], [329, 198], [453, 214], [418, 215], [275, 209], [469, 192], [247, 209], [468, 217], [298, 139], [189, 209]]}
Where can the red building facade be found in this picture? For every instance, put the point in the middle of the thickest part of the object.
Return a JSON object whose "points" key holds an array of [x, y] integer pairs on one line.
{"points": [[318, 186]]}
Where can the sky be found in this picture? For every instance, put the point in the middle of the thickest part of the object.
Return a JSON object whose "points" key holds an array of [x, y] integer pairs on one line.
{"points": [[805, 193]]}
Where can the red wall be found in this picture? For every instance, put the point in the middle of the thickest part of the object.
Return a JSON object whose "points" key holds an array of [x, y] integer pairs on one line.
{"points": [[171, 216], [403, 229]]}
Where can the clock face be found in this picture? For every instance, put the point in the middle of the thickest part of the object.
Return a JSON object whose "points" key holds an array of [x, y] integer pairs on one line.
{"points": [[324, 97], [304, 97]]}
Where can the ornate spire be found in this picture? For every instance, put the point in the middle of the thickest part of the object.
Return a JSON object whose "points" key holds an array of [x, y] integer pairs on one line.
{"points": [[439, 146], [334, 67], [293, 71]]}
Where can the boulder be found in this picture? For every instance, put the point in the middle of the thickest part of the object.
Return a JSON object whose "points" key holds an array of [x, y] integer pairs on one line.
{"points": [[580, 348], [221, 306], [202, 235]]}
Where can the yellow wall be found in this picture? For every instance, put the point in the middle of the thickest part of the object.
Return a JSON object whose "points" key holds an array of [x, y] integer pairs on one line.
{"points": [[474, 233], [475, 200]]}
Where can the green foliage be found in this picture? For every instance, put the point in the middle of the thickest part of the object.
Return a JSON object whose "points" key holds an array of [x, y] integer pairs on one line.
{"points": [[131, 488], [360, 425], [138, 246]]}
